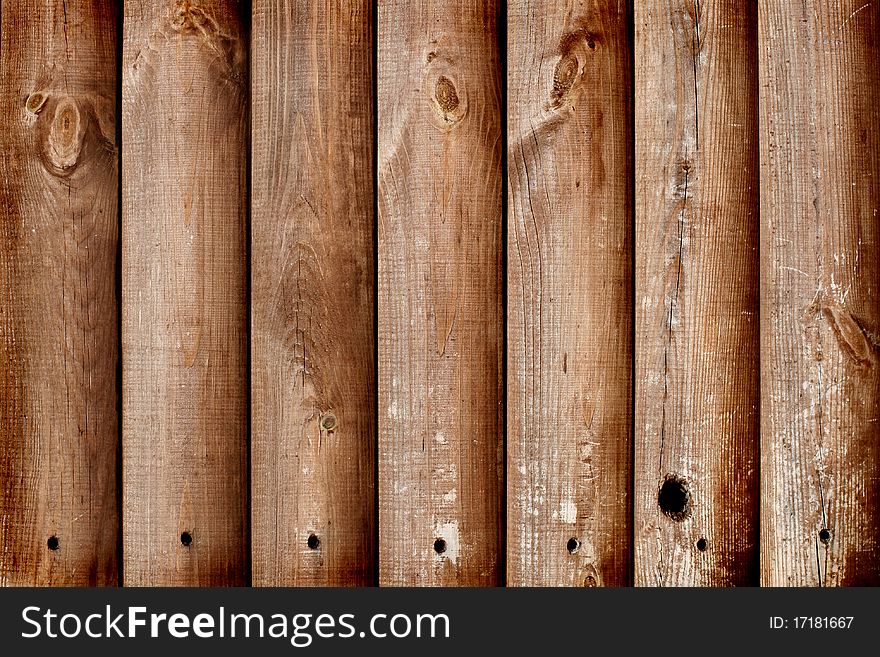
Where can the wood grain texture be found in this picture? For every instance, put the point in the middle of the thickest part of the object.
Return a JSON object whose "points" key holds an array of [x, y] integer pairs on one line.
{"points": [[313, 340], [184, 276], [569, 361], [58, 309], [697, 345], [820, 301], [440, 336]]}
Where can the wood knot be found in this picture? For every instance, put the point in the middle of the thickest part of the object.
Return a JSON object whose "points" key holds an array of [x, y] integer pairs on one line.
{"points": [[189, 19], [328, 422], [65, 135], [446, 95], [447, 102], [574, 50], [681, 190], [563, 77], [591, 577], [34, 103], [226, 48], [854, 341]]}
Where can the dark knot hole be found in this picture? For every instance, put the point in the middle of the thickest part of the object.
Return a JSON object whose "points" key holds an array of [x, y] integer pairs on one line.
{"points": [[674, 497]]}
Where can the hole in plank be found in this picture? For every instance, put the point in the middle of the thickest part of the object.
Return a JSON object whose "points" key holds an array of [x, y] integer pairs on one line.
{"points": [[313, 542], [52, 543], [674, 497], [572, 545], [186, 538], [702, 545], [825, 535], [439, 546]]}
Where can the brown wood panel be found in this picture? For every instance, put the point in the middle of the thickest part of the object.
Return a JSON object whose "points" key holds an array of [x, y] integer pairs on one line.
{"points": [[569, 314], [184, 304], [58, 310], [820, 300], [696, 293], [313, 341], [440, 338]]}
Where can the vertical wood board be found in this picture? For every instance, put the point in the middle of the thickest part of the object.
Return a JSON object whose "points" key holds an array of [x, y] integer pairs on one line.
{"points": [[313, 341], [184, 302], [569, 300], [58, 308], [440, 340], [696, 293], [820, 300]]}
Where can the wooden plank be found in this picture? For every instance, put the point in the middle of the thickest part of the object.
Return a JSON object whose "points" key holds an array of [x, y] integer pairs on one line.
{"points": [[58, 311], [313, 340], [184, 305], [569, 389], [440, 337], [697, 384], [820, 302]]}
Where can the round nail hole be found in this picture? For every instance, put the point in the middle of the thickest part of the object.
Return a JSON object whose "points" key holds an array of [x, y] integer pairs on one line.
{"points": [[825, 535], [52, 543], [439, 546], [186, 538], [572, 545], [702, 545], [313, 542], [674, 497]]}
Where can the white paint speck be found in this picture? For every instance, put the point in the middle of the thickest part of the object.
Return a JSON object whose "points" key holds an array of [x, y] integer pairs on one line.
{"points": [[568, 511]]}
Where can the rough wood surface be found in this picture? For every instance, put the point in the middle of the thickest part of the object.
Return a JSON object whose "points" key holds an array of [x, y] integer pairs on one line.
{"points": [[58, 310], [439, 288], [696, 203], [569, 326], [820, 301], [184, 275], [313, 345]]}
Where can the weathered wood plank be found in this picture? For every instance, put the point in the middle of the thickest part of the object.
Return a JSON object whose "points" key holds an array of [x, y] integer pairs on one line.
{"points": [[184, 275], [820, 301], [313, 341], [697, 346], [569, 295], [440, 336], [58, 310]]}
